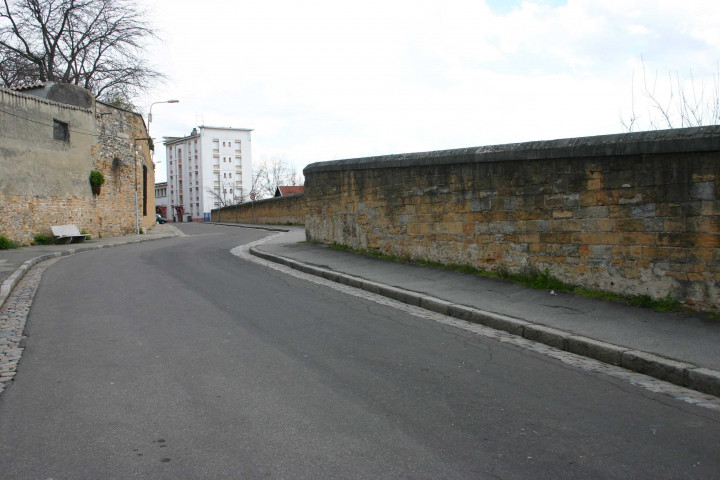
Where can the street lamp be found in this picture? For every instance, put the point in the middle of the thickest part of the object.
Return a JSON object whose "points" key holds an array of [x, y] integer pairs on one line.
{"points": [[155, 103]]}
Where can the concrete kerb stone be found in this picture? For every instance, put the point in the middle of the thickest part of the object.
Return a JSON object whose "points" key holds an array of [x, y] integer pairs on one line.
{"points": [[7, 286], [589, 347], [245, 225], [704, 380], [659, 367], [547, 335], [679, 373]]}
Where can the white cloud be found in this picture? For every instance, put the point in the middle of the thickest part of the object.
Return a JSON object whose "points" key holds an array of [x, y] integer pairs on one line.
{"points": [[322, 79]]}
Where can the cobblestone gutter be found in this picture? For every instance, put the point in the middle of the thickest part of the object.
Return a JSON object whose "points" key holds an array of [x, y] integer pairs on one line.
{"points": [[13, 315]]}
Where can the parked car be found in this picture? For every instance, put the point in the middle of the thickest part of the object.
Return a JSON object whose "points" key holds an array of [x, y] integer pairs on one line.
{"points": [[159, 218]]}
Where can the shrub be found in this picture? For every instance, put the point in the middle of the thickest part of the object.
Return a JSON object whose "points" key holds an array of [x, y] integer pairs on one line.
{"points": [[42, 239], [7, 244], [97, 179]]}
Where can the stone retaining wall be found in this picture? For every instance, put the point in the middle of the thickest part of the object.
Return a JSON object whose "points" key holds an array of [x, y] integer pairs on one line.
{"points": [[290, 209], [633, 214], [44, 181]]}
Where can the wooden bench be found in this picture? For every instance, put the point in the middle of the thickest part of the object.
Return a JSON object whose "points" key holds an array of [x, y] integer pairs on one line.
{"points": [[68, 234]]}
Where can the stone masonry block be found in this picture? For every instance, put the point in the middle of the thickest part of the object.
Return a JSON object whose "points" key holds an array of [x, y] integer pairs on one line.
{"points": [[594, 184], [654, 224], [598, 225], [643, 211], [601, 252], [703, 191], [592, 212], [571, 200]]}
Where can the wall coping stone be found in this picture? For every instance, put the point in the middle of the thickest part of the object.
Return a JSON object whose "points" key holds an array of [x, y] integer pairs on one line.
{"points": [[35, 98], [260, 202], [685, 140]]}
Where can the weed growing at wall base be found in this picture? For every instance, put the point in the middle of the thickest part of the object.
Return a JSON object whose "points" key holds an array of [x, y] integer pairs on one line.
{"points": [[7, 244], [533, 278], [42, 239]]}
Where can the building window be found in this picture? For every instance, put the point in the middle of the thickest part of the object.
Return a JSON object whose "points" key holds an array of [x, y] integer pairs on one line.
{"points": [[61, 131]]}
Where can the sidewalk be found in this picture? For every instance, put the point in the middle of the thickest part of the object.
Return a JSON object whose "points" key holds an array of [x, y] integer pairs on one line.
{"points": [[682, 348], [16, 262]]}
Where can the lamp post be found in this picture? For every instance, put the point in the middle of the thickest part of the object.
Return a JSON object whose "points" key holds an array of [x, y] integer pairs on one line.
{"points": [[155, 103], [152, 151]]}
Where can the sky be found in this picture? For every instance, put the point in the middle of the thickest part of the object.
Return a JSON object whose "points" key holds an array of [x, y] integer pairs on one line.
{"points": [[321, 80]]}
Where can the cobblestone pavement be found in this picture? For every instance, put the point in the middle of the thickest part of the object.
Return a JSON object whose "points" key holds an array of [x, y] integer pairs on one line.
{"points": [[13, 315], [578, 361]]}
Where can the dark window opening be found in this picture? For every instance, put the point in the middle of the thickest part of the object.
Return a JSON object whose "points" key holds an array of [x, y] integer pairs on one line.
{"points": [[61, 131], [145, 175]]}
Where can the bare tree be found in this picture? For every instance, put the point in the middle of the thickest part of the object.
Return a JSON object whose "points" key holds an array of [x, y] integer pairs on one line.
{"points": [[97, 44], [273, 172], [676, 103], [226, 194]]}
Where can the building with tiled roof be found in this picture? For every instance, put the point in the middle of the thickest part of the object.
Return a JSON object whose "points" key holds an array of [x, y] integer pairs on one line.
{"points": [[283, 191]]}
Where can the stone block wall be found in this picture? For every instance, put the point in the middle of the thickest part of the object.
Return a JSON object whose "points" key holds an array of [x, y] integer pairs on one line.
{"points": [[121, 152], [633, 214], [45, 181], [271, 211]]}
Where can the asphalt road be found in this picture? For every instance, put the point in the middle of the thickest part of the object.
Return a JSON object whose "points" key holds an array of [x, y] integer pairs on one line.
{"points": [[175, 359]]}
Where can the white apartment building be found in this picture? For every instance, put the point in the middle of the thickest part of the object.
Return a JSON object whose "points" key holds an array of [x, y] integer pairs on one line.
{"points": [[210, 168], [161, 200]]}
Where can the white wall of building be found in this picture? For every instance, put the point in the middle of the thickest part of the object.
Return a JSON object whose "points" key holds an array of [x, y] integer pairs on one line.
{"points": [[209, 168], [161, 199]]}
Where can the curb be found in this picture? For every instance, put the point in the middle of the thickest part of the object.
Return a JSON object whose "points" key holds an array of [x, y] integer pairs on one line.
{"points": [[679, 373], [244, 225], [7, 286]]}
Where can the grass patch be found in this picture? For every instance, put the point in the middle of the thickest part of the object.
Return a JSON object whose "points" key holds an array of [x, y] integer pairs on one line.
{"points": [[42, 239], [532, 278], [599, 294], [7, 244], [537, 280], [667, 304]]}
